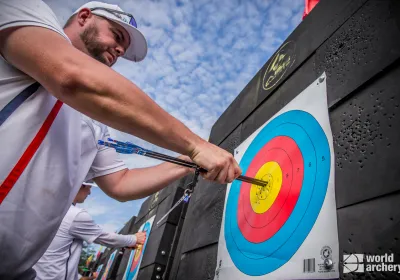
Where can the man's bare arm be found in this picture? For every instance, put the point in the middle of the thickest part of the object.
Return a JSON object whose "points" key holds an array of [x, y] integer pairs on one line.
{"points": [[92, 88], [137, 183], [101, 93]]}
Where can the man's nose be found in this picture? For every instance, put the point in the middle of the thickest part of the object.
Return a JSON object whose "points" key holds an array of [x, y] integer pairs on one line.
{"points": [[120, 50]]}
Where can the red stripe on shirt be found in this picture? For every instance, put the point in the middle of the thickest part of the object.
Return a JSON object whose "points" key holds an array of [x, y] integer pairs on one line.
{"points": [[23, 162]]}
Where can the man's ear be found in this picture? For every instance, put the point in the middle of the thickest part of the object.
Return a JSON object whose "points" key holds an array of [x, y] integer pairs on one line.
{"points": [[84, 16]]}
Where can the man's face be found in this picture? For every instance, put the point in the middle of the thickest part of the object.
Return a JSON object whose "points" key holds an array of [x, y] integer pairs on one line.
{"points": [[82, 194], [105, 40]]}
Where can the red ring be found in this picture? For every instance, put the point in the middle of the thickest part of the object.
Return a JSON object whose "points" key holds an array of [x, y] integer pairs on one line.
{"points": [[258, 220], [260, 227], [135, 263]]}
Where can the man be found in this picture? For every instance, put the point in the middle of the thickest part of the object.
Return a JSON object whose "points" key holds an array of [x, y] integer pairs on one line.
{"points": [[48, 148], [61, 259]]}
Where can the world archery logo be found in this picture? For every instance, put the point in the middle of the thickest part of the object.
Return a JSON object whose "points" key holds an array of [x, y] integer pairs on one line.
{"points": [[368, 263], [353, 263]]}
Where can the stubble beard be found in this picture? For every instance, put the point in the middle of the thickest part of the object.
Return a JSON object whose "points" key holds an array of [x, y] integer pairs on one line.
{"points": [[90, 38]]}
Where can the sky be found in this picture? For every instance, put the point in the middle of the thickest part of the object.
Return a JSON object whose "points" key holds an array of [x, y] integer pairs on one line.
{"points": [[201, 54]]}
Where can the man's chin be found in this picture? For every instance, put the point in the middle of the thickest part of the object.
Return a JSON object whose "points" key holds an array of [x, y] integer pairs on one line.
{"points": [[101, 59]]}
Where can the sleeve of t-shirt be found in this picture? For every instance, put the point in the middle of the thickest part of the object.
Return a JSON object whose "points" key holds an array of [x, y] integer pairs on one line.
{"points": [[28, 13], [106, 160], [83, 227]]}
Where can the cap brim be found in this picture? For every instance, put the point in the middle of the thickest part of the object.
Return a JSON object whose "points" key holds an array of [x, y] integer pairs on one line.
{"points": [[137, 49], [89, 184]]}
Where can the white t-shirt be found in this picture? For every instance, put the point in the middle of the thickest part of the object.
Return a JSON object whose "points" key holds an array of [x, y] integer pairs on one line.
{"points": [[32, 211], [62, 257]]}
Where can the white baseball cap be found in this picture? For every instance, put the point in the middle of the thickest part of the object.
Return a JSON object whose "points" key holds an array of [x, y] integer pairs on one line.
{"points": [[89, 183], [137, 49]]}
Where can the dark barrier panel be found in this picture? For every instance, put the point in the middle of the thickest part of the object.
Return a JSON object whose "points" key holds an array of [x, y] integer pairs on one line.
{"points": [[148, 205], [159, 245], [151, 272], [382, 226], [128, 226], [122, 265], [199, 264], [103, 261], [103, 258], [112, 273], [159, 250], [357, 45]]}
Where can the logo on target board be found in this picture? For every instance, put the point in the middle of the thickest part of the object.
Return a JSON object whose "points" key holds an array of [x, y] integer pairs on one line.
{"points": [[353, 263], [326, 252], [279, 64]]}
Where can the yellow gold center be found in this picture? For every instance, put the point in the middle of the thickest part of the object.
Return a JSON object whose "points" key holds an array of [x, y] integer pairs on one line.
{"points": [[261, 198], [137, 253]]}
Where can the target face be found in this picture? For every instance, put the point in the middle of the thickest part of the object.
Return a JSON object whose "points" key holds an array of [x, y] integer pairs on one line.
{"points": [[265, 226], [110, 261], [136, 255]]}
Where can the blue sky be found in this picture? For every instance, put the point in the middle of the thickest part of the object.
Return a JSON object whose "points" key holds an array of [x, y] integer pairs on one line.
{"points": [[201, 55]]}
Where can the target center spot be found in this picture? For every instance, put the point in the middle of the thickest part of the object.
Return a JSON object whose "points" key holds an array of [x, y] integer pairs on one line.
{"points": [[262, 197], [138, 252], [264, 191]]}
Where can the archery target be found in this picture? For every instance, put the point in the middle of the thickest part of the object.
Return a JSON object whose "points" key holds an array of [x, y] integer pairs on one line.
{"points": [[265, 226], [136, 255], [109, 263]]}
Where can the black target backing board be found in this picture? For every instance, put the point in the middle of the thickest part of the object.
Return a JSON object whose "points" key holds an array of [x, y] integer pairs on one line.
{"points": [[372, 228], [122, 265], [144, 209], [313, 31], [160, 241], [151, 272], [199, 264], [112, 273], [150, 203], [366, 44], [286, 92], [176, 250], [105, 256], [126, 229], [204, 216], [366, 137], [103, 261], [96, 264]]}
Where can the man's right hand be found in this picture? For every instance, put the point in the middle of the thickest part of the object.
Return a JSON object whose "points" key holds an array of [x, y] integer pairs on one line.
{"points": [[221, 165], [140, 239]]}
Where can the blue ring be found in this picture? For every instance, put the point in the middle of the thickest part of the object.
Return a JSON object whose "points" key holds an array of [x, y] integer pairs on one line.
{"points": [[146, 228], [257, 259]]}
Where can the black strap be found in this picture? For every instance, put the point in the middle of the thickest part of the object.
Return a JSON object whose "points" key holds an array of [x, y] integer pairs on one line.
{"points": [[17, 101]]}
